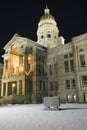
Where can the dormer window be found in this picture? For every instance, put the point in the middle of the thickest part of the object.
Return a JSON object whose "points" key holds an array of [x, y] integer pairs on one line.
{"points": [[48, 35]]}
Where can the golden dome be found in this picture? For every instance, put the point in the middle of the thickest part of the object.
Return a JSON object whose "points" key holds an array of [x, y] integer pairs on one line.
{"points": [[47, 15]]}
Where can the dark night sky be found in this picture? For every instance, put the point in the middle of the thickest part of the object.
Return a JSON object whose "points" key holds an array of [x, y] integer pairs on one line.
{"points": [[22, 17]]}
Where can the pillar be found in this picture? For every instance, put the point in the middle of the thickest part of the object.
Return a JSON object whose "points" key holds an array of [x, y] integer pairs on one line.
{"points": [[2, 90], [18, 87], [23, 87], [6, 93], [26, 62]]}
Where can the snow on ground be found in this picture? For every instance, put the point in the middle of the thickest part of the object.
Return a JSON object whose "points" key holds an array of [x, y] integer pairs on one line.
{"points": [[34, 117]]}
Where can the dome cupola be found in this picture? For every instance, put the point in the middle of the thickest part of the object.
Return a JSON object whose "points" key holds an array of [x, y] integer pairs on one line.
{"points": [[47, 31]]}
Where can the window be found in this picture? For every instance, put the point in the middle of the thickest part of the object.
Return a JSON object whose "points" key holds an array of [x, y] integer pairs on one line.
{"points": [[28, 67], [4, 89], [6, 64], [44, 86], [70, 55], [42, 69], [55, 37], [20, 87], [40, 85], [56, 87], [73, 84], [71, 65], [67, 83], [48, 35], [66, 65], [20, 46], [50, 69], [39, 68], [84, 81], [82, 60], [42, 59], [66, 56], [39, 58], [55, 68], [42, 36], [81, 50], [70, 98], [51, 86]]}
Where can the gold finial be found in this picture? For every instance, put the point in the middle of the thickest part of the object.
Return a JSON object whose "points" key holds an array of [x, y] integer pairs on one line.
{"points": [[46, 6], [46, 10]]}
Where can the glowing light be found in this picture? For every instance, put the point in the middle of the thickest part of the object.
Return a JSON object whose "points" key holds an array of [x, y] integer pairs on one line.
{"points": [[13, 85], [21, 69], [29, 58]]}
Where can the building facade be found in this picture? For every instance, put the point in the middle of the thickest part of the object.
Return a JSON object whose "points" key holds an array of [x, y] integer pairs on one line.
{"points": [[48, 67], [1, 72]]}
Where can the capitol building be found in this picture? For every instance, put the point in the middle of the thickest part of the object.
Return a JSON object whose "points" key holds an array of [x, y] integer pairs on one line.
{"points": [[48, 67]]}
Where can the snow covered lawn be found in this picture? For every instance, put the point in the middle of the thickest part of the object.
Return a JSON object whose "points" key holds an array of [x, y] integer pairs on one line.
{"points": [[34, 117]]}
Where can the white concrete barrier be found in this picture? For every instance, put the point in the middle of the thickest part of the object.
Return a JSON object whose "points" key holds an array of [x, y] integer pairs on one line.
{"points": [[52, 102]]}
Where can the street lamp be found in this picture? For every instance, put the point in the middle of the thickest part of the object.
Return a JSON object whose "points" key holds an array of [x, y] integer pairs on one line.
{"points": [[13, 88]]}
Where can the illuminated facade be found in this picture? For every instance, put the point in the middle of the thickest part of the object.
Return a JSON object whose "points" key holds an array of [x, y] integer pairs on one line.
{"points": [[47, 67], [24, 62]]}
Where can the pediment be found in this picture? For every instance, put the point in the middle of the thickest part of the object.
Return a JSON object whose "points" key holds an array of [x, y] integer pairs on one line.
{"points": [[17, 40], [12, 41]]}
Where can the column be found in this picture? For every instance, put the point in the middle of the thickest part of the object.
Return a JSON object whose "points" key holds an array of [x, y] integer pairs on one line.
{"points": [[2, 89], [23, 87], [9, 66], [21, 66], [4, 70], [75, 52], [18, 87], [26, 62], [6, 92]]}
